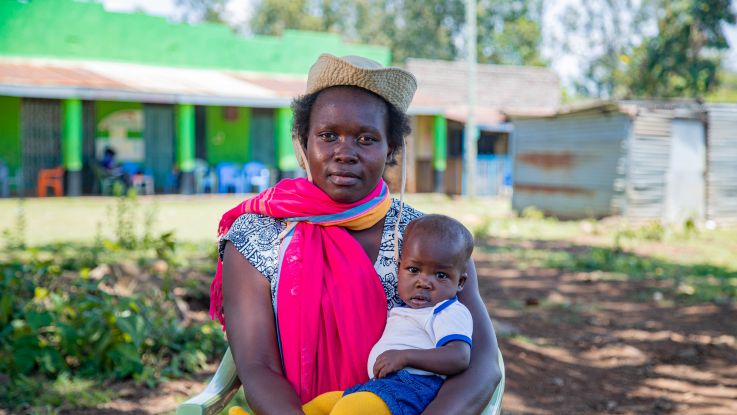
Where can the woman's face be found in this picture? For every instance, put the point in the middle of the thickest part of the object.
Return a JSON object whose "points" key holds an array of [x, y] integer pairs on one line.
{"points": [[347, 147]]}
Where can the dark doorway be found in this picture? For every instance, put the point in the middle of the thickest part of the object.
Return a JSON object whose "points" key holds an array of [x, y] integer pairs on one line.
{"points": [[41, 135], [158, 136], [262, 139], [89, 158]]}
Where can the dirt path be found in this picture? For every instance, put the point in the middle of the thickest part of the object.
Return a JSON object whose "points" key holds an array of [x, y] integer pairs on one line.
{"points": [[575, 343]]}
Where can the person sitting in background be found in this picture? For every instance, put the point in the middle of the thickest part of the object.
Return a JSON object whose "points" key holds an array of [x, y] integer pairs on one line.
{"points": [[108, 161], [110, 171]]}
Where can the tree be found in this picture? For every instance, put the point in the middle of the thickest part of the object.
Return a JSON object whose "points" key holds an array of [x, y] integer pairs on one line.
{"points": [[272, 17], [684, 58], [509, 31], [602, 34], [647, 48], [212, 11]]}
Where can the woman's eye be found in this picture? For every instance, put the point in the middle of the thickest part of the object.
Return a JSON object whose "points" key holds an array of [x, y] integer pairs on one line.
{"points": [[364, 139], [328, 136]]}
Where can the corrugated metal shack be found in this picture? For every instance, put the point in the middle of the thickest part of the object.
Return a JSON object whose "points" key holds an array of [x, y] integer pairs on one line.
{"points": [[640, 159], [721, 160]]}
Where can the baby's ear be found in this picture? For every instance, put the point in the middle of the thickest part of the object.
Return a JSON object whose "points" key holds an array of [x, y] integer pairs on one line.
{"points": [[462, 281]]}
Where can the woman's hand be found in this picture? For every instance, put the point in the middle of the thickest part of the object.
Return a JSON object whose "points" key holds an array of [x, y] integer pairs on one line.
{"points": [[251, 333], [470, 391]]}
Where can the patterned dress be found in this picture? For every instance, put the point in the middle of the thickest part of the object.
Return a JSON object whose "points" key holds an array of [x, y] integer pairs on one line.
{"points": [[255, 237]]}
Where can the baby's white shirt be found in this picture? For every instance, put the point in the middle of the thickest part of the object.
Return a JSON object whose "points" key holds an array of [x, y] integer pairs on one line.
{"points": [[423, 328]]}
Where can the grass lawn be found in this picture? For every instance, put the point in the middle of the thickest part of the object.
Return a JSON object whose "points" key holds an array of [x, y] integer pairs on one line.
{"points": [[194, 219]]}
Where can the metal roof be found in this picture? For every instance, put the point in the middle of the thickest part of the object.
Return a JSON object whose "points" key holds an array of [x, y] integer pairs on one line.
{"points": [[500, 89], [97, 80]]}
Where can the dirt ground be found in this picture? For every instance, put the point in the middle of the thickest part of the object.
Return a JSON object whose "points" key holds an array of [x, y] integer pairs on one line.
{"points": [[576, 343]]}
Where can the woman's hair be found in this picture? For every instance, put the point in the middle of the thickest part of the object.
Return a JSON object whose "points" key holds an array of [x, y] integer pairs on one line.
{"points": [[397, 123]]}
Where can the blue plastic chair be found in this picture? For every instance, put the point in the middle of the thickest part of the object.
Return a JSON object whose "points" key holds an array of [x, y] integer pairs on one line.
{"points": [[230, 176], [256, 176], [204, 177], [224, 385]]}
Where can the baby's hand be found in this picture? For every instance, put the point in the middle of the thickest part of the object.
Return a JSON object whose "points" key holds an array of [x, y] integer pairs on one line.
{"points": [[389, 362]]}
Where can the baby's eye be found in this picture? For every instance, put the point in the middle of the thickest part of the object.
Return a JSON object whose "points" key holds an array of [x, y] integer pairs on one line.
{"points": [[441, 275], [413, 270]]}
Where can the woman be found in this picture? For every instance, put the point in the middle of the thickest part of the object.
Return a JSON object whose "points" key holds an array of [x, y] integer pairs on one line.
{"points": [[300, 291]]}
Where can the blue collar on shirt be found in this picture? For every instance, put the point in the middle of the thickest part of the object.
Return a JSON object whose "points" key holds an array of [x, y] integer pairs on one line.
{"points": [[445, 304]]}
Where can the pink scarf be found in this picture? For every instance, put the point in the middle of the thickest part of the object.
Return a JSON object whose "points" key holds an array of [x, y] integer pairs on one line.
{"points": [[331, 306]]}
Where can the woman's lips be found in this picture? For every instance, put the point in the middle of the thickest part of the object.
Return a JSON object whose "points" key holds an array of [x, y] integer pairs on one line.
{"points": [[343, 179]]}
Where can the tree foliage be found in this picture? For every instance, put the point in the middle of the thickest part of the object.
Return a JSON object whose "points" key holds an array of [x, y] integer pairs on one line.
{"points": [[212, 11], [683, 59], [602, 34], [646, 48], [508, 31]]}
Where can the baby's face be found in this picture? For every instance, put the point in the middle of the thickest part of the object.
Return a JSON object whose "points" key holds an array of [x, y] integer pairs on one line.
{"points": [[430, 271]]}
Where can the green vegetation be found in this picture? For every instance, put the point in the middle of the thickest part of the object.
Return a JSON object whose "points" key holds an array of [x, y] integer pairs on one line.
{"points": [[647, 48], [74, 315], [508, 32]]}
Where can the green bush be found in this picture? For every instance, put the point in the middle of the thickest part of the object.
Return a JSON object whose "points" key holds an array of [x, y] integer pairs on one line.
{"points": [[59, 319]]}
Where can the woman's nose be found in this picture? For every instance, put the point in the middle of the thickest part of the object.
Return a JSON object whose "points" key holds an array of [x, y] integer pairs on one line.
{"points": [[345, 151]]}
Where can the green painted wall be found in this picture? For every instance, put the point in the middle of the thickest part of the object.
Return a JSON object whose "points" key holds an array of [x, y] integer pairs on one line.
{"points": [[228, 139], [70, 29], [105, 108], [10, 140], [185, 137], [285, 157]]}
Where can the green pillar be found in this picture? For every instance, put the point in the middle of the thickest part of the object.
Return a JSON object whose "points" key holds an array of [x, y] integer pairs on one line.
{"points": [[440, 151], [185, 146], [72, 145], [285, 158]]}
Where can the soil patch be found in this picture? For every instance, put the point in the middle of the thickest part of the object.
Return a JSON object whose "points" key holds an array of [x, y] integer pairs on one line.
{"points": [[582, 344]]}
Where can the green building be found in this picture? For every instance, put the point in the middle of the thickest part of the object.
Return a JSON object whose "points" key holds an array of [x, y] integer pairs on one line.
{"points": [[167, 97]]}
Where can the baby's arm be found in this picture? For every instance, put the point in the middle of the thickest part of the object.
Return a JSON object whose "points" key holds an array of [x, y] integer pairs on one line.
{"points": [[449, 359]]}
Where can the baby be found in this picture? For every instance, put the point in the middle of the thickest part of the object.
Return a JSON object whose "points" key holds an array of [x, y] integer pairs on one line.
{"points": [[429, 338], [424, 341]]}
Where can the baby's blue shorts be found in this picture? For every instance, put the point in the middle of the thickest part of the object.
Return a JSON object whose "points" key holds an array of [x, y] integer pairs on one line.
{"points": [[403, 392]]}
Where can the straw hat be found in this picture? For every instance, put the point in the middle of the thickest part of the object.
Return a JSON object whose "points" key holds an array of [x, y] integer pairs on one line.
{"points": [[395, 85]]}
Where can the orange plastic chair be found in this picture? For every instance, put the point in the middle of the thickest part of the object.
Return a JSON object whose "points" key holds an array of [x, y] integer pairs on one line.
{"points": [[53, 178]]}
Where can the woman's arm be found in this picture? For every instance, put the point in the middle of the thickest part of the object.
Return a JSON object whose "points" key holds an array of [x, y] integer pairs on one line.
{"points": [[470, 391], [252, 337]]}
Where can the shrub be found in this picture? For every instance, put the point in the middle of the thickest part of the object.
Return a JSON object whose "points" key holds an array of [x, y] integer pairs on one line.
{"points": [[60, 319]]}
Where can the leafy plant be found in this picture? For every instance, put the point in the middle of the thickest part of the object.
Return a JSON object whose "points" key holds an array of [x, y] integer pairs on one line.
{"points": [[59, 319], [15, 236]]}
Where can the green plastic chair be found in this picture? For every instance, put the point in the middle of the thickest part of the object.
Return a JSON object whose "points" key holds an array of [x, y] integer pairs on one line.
{"points": [[224, 385]]}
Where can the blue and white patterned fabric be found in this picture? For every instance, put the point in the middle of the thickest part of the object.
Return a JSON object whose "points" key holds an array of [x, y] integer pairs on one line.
{"points": [[255, 236]]}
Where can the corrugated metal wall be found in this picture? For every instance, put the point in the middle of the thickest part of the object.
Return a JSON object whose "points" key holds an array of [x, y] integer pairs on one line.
{"points": [[649, 155], [572, 165], [721, 179]]}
